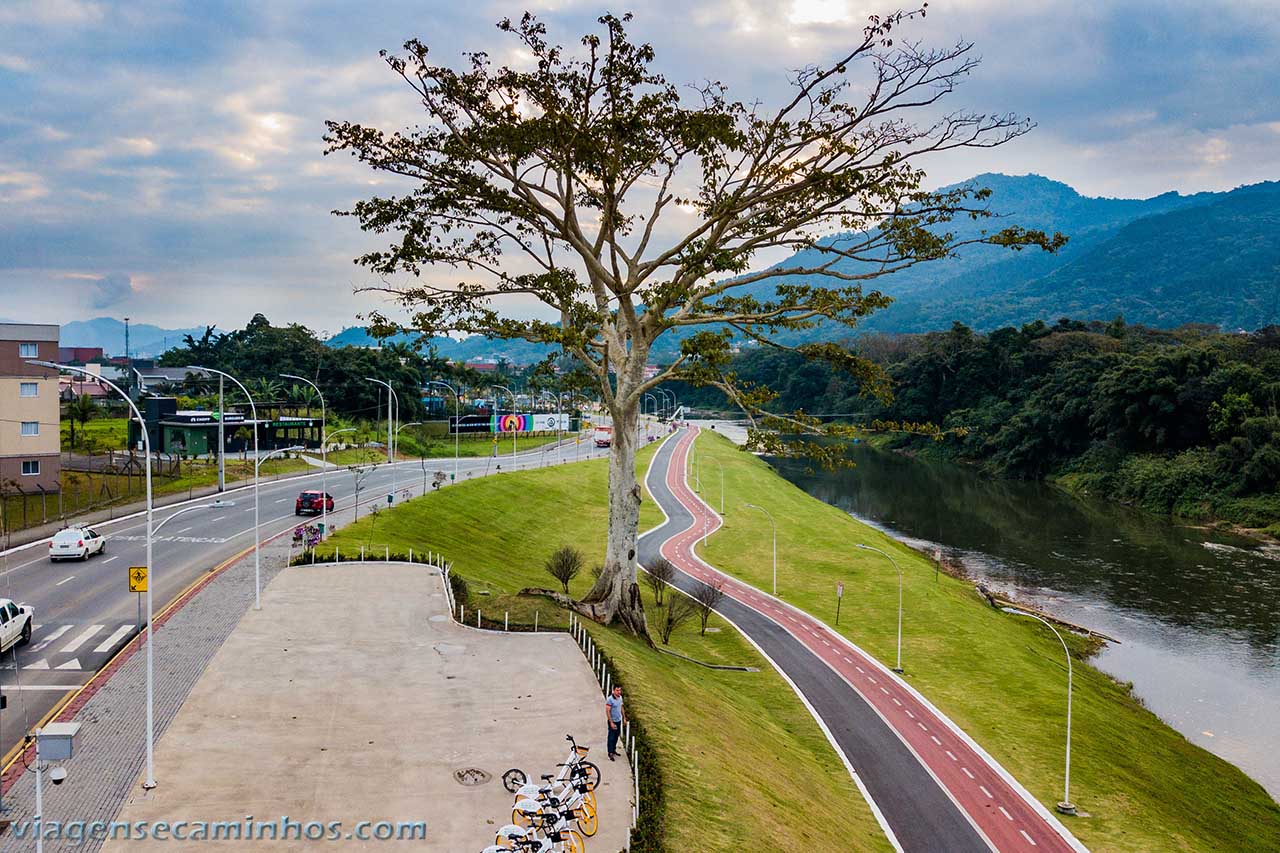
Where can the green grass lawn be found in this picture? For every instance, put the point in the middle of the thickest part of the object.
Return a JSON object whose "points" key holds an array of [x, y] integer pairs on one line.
{"points": [[744, 764], [102, 433], [1000, 677]]}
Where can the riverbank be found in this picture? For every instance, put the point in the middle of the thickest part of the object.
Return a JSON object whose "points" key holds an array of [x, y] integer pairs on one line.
{"points": [[743, 763], [1001, 678]]}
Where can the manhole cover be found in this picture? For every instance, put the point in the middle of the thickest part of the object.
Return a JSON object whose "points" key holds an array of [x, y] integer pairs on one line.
{"points": [[471, 776]]}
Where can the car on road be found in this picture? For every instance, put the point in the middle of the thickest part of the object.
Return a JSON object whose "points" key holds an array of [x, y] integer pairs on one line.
{"points": [[603, 436], [313, 502], [15, 624], [76, 543]]}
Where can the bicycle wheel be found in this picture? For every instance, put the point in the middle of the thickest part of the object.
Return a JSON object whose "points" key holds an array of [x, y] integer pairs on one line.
{"points": [[519, 818], [574, 842], [514, 779], [590, 797], [592, 774], [588, 820]]}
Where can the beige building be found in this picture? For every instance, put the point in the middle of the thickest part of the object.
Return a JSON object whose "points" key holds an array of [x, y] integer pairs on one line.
{"points": [[29, 413]]}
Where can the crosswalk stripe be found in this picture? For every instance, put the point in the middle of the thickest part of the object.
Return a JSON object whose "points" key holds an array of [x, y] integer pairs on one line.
{"points": [[40, 664], [114, 638], [74, 663], [80, 640], [51, 638]]}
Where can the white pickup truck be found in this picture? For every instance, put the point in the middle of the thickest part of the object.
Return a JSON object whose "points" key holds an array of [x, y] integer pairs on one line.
{"points": [[15, 624]]}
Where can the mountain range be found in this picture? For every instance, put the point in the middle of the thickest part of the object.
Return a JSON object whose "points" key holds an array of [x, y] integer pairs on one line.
{"points": [[1210, 257], [145, 341]]}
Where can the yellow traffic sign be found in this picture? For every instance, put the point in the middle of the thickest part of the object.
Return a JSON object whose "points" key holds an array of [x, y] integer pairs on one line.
{"points": [[138, 579]]}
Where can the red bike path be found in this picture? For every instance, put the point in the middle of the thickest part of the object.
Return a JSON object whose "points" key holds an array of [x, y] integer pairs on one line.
{"points": [[930, 785]]}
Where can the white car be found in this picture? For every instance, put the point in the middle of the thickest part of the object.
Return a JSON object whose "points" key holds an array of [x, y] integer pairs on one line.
{"points": [[76, 543], [15, 624]]}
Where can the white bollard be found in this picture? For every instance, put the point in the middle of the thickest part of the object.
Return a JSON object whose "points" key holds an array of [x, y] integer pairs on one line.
{"points": [[462, 613], [477, 617], [387, 556], [362, 553], [337, 554], [535, 621], [410, 555], [505, 615], [608, 681]]}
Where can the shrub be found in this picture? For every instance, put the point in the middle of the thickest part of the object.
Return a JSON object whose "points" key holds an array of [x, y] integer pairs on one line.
{"points": [[564, 565]]}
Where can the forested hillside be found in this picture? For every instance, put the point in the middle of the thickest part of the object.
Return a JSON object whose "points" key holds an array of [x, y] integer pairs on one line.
{"points": [[1184, 421]]}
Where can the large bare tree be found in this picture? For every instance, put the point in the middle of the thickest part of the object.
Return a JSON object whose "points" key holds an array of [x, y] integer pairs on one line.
{"points": [[632, 209]]}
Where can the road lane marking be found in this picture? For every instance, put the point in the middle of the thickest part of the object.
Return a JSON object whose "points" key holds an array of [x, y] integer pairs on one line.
{"points": [[1005, 813], [219, 518], [64, 580], [109, 559], [1028, 837], [40, 664], [49, 639], [951, 755], [896, 702], [185, 529], [59, 687], [934, 738], [966, 772], [81, 639], [885, 692], [983, 789], [114, 638], [74, 664], [282, 500]]}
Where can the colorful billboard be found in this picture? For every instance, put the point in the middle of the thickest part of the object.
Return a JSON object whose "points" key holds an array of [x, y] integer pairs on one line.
{"points": [[512, 423]]}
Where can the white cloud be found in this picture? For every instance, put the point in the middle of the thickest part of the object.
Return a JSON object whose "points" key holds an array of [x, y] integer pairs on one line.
{"points": [[21, 187], [13, 62], [51, 12]]}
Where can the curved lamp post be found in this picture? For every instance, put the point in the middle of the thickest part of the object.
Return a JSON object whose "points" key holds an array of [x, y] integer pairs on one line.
{"points": [[150, 781], [457, 420], [324, 460], [402, 426], [499, 424], [888, 556], [773, 524], [257, 531], [324, 472], [391, 418], [1066, 806]]}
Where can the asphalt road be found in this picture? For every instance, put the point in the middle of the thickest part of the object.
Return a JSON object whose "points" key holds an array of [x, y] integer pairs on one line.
{"points": [[933, 789], [84, 611]]}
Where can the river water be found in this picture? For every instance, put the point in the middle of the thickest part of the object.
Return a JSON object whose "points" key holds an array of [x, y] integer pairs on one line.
{"points": [[1197, 612]]}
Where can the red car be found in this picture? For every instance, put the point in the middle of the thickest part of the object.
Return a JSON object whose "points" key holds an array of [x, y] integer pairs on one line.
{"points": [[313, 503]]}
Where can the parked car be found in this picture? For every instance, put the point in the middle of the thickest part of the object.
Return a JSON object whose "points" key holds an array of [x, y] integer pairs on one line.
{"points": [[76, 543], [15, 624], [313, 502]]}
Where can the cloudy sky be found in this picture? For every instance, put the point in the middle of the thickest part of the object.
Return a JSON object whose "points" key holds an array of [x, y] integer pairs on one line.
{"points": [[163, 159]]}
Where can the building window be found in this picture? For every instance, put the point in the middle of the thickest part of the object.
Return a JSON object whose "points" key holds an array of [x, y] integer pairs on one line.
{"points": [[30, 427], [26, 350], [30, 467], [29, 389]]}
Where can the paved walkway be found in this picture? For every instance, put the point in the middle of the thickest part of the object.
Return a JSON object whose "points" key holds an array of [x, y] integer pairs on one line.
{"points": [[932, 787], [352, 696]]}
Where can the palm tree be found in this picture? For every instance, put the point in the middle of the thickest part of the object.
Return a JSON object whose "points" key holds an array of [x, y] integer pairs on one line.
{"points": [[81, 409]]}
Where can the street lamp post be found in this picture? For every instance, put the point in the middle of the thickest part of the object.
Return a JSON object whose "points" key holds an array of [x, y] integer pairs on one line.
{"points": [[1066, 806], [391, 418], [402, 426], [721, 467], [885, 554], [150, 781], [324, 459], [257, 532], [774, 525], [457, 421], [499, 423], [324, 483]]}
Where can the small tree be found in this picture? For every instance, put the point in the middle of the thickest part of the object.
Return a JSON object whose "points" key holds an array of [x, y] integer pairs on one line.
{"points": [[564, 565], [658, 576], [679, 609], [80, 411], [707, 598], [439, 479]]}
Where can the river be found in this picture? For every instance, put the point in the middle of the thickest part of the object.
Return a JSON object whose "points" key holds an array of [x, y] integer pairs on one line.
{"points": [[1197, 612]]}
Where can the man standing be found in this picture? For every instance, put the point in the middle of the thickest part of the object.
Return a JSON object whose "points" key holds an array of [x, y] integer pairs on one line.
{"points": [[616, 716]]}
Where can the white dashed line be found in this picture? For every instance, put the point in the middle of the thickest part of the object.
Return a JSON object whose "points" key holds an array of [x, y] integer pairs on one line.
{"points": [[922, 726], [64, 580], [872, 680], [951, 755], [1030, 840], [934, 738], [109, 559], [983, 789], [1005, 813], [909, 714], [846, 660], [859, 669], [966, 772], [885, 692], [896, 702]]}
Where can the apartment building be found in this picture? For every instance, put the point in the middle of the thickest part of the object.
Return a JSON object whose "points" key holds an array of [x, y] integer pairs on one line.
{"points": [[29, 413]]}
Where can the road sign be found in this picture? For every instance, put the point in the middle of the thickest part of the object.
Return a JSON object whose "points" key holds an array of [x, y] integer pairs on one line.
{"points": [[840, 589], [137, 579]]}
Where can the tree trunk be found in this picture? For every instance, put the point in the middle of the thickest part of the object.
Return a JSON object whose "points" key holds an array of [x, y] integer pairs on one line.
{"points": [[616, 595]]}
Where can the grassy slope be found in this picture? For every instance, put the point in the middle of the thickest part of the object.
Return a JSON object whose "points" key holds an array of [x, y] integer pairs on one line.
{"points": [[746, 765], [1000, 677]]}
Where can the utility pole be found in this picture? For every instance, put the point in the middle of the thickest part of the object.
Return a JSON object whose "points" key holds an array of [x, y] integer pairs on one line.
{"points": [[128, 363]]}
